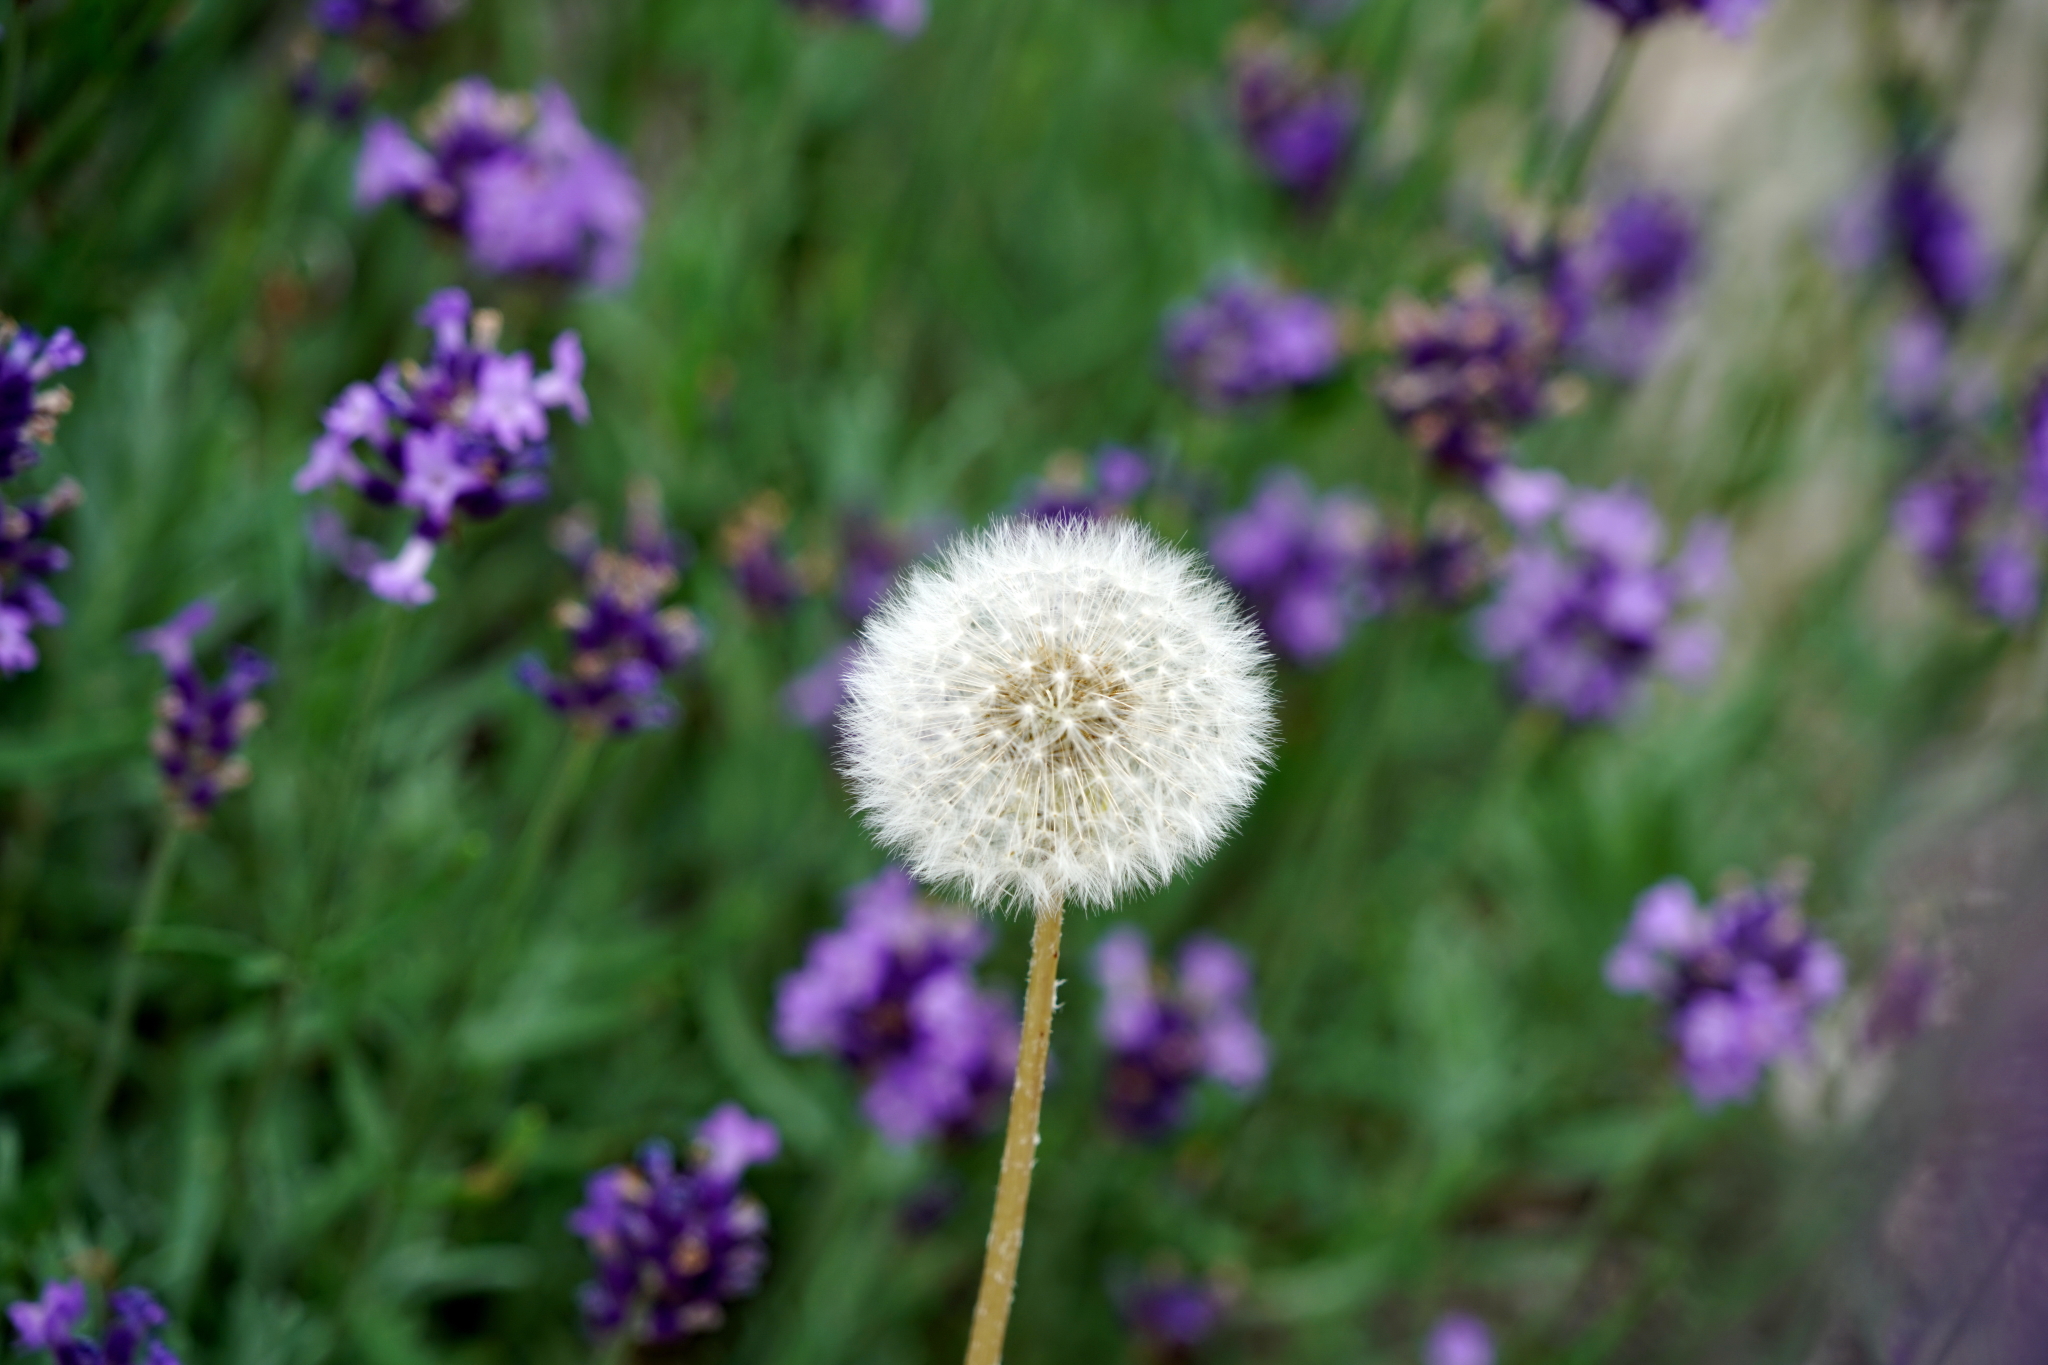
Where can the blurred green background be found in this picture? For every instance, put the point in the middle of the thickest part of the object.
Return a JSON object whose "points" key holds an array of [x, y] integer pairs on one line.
{"points": [[366, 1089]]}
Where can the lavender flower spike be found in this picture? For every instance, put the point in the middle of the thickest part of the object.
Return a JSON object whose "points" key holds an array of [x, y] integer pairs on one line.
{"points": [[1173, 1312], [1303, 563], [201, 725], [1458, 1339], [1299, 125], [902, 18], [1246, 339], [130, 1335], [1586, 613], [1740, 980], [1617, 289], [1165, 1034], [1734, 18], [675, 1242], [464, 435], [624, 641], [28, 559], [409, 17], [520, 178], [1468, 374], [893, 996], [29, 404]]}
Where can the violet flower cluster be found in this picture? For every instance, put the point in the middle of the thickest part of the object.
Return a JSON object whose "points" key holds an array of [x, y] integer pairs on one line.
{"points": [[1734, 18], [1740, 979], [676, 1241], [29, 408], [352, 18], [903, 18], [760, 564], [1458, 1339], [201, 725], [1247, 339], [1305, 564], [1172, 1312], [1167, 1033], [1299, 124], [1469, 373], [464, 435], [1617, 288], [518, 177], [892, 995], [1587, 605], [1100, 490], [1909, 215], [623, 642], [131, 1334]]}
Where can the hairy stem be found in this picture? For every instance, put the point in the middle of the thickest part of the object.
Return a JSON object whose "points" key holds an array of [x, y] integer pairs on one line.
{"points": [[113, 1051], [1020, 1145]]}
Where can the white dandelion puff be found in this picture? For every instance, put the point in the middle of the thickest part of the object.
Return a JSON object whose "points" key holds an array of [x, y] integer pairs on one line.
{"points": [[1057, 711]]}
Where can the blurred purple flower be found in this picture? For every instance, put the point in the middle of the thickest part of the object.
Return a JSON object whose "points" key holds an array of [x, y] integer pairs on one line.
{"points": [[623, 641], [29, 404], [903, 18], [1458, 1339], [761, 569], [201, 725], [1468, 374], [51, 1323], [1741, 980], [1616, 290], [893, 996], [1966, 526], [465, 433], [1165, 1034], [347, 18], [1735, 18], [1908, 997], [1172, 1313], [1245, 340], [520, 178], [1305, 564], [812, 698], [1583, 614], [28, 560], [1910, 214], [675, 1243], [1098, 491], [1299, 124]]}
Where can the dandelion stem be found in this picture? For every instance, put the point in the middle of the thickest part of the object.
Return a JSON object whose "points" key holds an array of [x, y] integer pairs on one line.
{"points": [[113, 1050], [1020, 1145]]}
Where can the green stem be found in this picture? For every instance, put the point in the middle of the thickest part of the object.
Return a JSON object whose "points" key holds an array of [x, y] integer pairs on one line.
{"points": [[545, 823], [1575, 152], [113, 1050]]}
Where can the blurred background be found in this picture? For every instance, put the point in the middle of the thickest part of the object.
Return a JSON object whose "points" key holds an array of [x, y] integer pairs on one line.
{"points": [[324, 1059]]}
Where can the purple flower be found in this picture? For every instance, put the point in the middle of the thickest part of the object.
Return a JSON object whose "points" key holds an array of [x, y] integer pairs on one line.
{"points": [[1584, 613], [1298, 124], [1908, 997], [1171, 1312], [1911, 215], [28, 560], [519, 177], [29, 404], [812, 698], [872, 555], [1165, 1034], [1304, 564], [892, 995], [623, 641], [1733, 17], [1617, 289], [1246, 339], [464, 434], [51, 1323], [1098, 491], [1458, 1339], [1741, 980], [1468, 374], [761, 568], [903, 18], [347, 18], [201, 725], [675, 1243], [1952, 521]]}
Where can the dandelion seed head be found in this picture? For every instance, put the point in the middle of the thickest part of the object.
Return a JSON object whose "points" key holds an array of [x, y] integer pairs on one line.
{"points": [[1057, 710]]}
